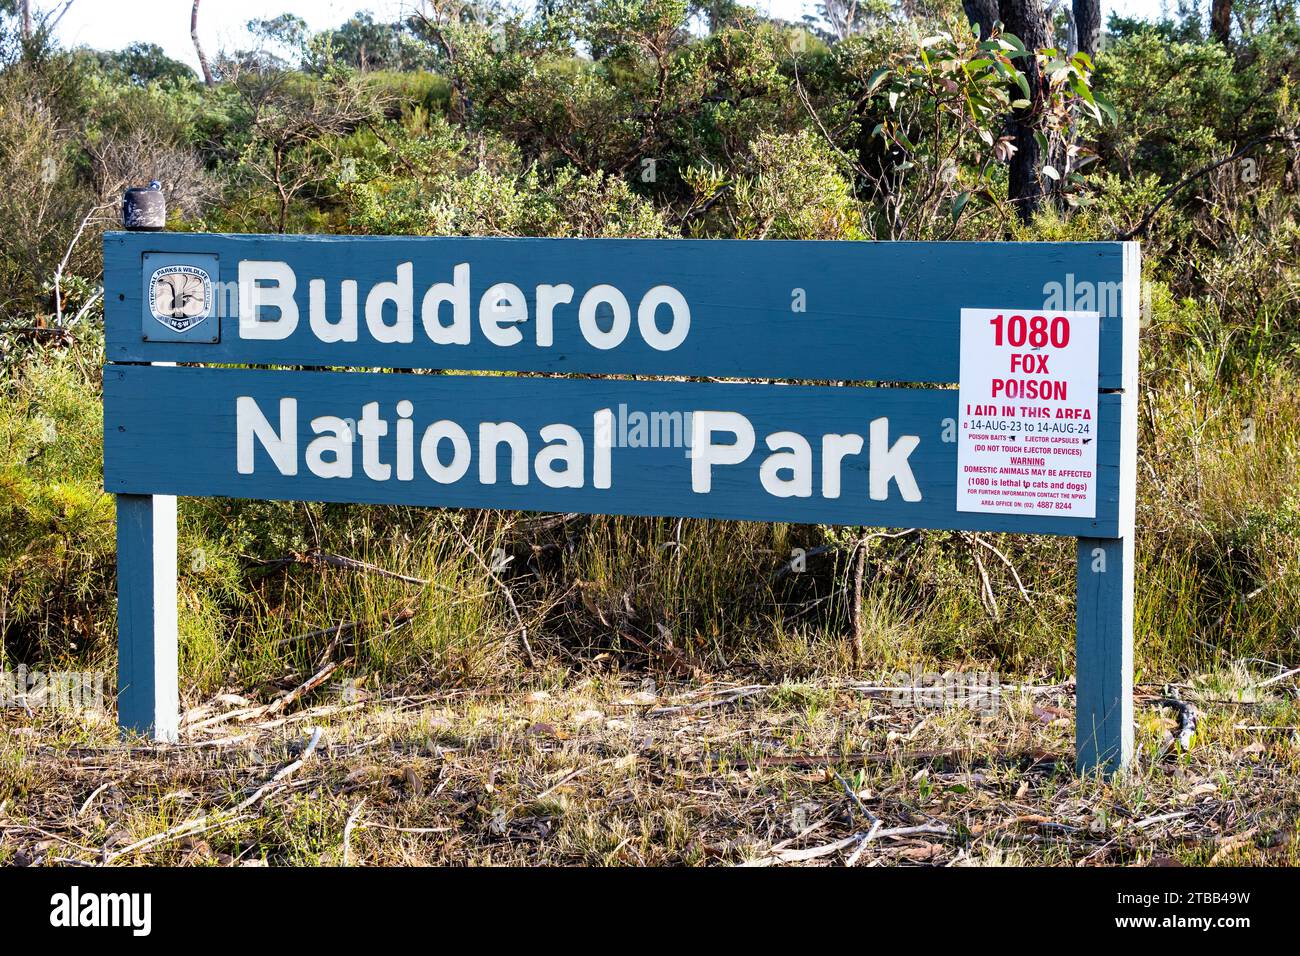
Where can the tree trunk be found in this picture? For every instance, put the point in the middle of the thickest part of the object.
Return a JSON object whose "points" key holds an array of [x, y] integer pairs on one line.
{"points": [[1221, 19], [1026, 190], [982, 12], [198, 47], [1087, 25], [27, 19]]}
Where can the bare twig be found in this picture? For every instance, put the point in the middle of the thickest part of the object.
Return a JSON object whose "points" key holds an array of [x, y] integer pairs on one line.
{"points": [[207, 821], [276, 706], [63, 263], [91, 799], [1145, 222], [1010, 567], [322, 558], [347, 831], [510, 598]]}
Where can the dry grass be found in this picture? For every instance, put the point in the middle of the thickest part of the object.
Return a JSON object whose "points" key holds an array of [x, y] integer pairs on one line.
{"points": [[606, 771]]}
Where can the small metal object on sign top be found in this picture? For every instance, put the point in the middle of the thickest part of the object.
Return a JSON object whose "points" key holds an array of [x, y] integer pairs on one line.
{"points": [[144, 208]]}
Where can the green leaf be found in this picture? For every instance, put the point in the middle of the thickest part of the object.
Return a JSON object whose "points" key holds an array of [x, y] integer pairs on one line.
{"points": [[959, 204], [1104, 105], [1050, 171], [876, 78], [1022, 83]]}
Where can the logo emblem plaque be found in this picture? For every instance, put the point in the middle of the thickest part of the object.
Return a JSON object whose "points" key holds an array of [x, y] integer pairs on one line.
{"points": [[180, 296]]}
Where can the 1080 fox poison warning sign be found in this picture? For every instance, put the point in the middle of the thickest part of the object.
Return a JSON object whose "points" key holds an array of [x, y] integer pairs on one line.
{"points": [[1028, 395]]}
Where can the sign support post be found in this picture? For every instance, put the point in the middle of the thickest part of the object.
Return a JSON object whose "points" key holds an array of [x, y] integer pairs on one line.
{"points": [[147, 696], [1104, 607], [1103, 729]]}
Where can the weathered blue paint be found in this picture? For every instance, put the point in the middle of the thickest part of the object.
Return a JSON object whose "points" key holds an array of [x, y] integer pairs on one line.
{"points": [[1104, 654], [881, 312], [172, 430], [147, 697]]}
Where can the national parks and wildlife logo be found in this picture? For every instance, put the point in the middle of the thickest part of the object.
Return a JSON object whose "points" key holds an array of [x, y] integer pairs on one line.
{"points": [[180, 296]]}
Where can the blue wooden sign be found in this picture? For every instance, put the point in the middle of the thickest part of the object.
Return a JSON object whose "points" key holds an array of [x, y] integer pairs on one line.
{"points": [[1039, 437]]}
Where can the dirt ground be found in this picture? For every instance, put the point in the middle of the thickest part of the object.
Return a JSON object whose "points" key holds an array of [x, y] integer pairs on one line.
{"points": [[608, 771]]}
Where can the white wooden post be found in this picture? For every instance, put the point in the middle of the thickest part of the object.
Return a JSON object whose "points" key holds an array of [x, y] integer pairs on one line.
{"points": [[147, 697]]}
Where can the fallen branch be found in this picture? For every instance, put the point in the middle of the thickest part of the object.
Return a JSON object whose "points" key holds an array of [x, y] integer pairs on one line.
{"points": [[91, 799], [857, 802], [208, 821], [739, 693], [1280, 677], [325, 559], [1161, 818], [273, 708], [347, 831]]}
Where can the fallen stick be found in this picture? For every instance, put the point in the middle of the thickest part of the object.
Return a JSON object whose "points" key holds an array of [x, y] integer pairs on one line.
{"points": [[1161, 818], [941, 829], [305, 687], [571, 775], [871, 835], [816, 852], [1280, 677], [857, 802], [324, 558], [91, 799], [277, 705], [720, 701], [347, 831], [207, 821]]}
